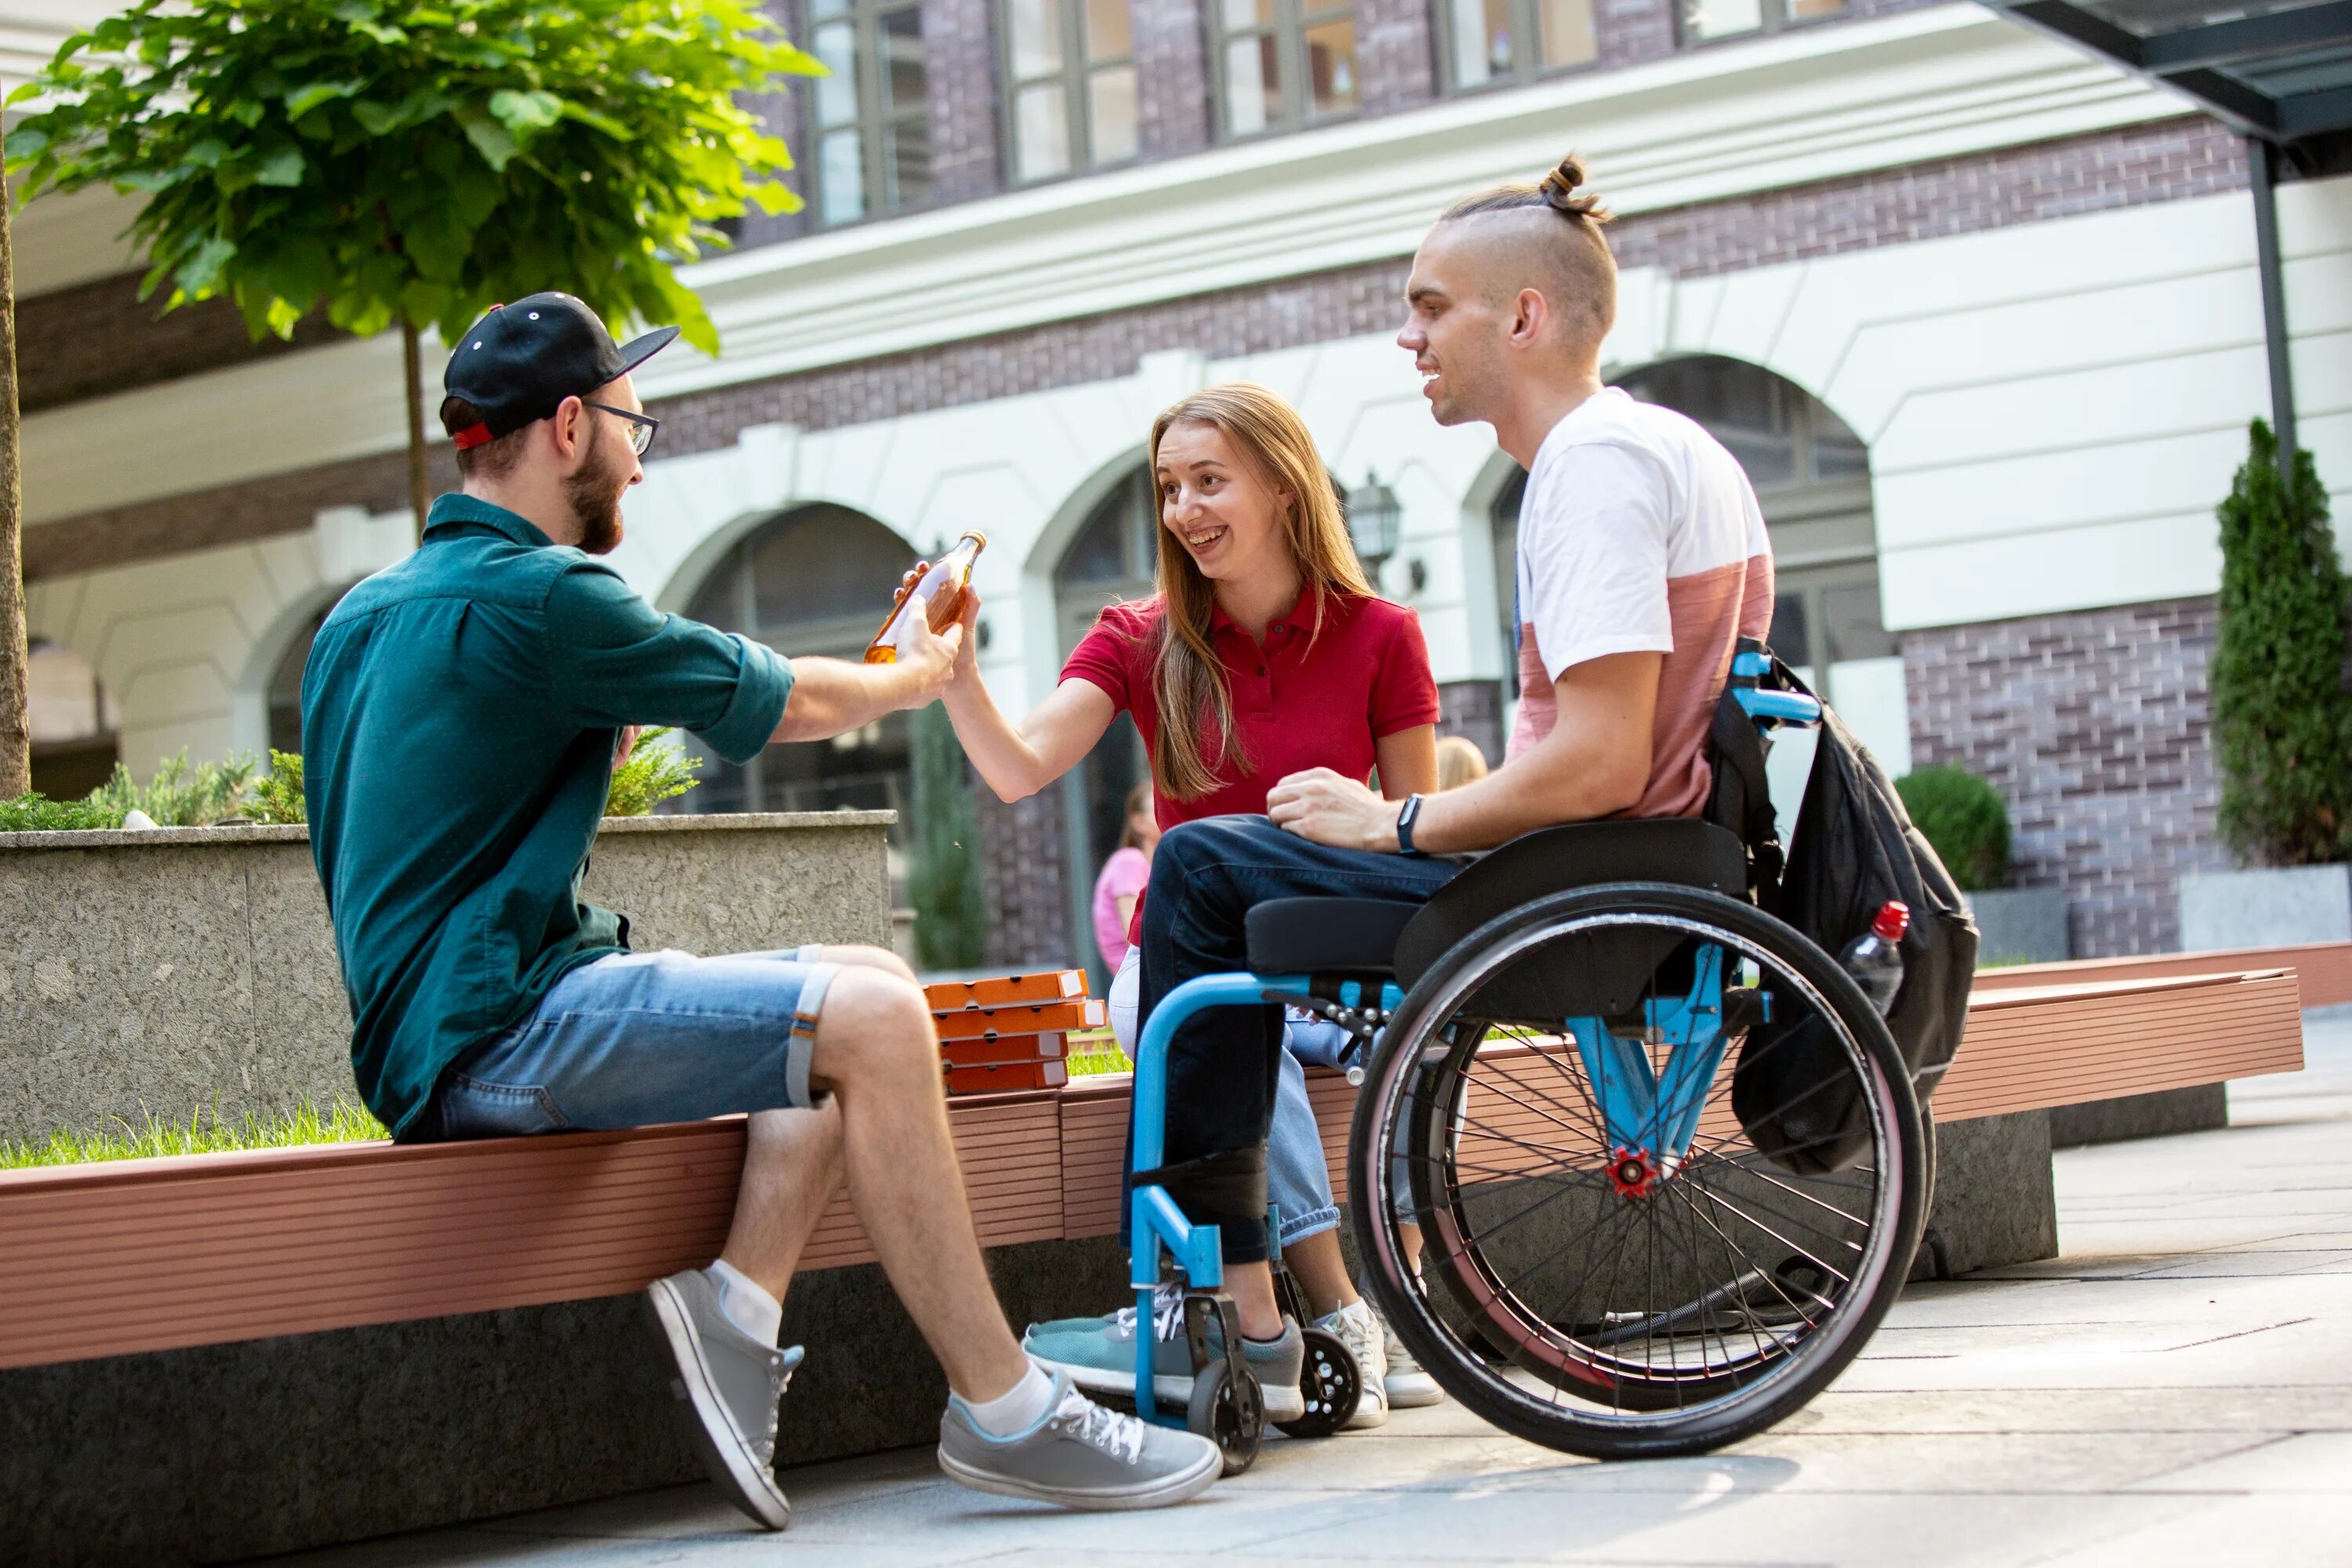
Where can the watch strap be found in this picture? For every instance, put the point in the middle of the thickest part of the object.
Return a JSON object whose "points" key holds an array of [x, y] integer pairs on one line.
{"points": [[1406, 815]]}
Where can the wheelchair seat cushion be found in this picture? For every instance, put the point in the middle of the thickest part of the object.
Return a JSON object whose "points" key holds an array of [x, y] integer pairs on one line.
{"points": [[1326, 936], [1686, 850]]}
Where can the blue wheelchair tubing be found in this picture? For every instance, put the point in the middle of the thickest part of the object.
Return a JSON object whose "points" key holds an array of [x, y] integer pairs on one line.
{"points": [[1155, 1221]]}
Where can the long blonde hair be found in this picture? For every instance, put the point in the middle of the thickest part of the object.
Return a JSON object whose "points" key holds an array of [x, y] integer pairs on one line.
{"points": [[1187, 677]]}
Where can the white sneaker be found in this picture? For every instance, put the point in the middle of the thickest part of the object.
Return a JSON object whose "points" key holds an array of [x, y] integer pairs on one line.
{"points": [[1360, 1331], [1409, 1387]]}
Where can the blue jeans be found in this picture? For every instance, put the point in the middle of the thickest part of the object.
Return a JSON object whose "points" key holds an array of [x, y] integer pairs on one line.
{"points": [[1224, 1064], [639, 1038]]}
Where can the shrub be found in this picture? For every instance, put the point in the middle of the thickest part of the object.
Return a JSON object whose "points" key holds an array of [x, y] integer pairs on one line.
{"points": [[1963, 818], [180, 795], [943, 884], [277, 795], [2282, 719], [658, 769], [36, 812]]}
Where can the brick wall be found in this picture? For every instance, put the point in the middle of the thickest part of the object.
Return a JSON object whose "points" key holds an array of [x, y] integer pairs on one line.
{"points": [[959, 64], [2170, 160], [1171, 75], [2094, 726], [1023, 852], [1628, 32], [1396, 55], [98, 337], [2164, 162]]}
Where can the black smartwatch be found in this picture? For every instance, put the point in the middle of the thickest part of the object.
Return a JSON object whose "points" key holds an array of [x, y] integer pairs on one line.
{"points": [[1406, 817]]}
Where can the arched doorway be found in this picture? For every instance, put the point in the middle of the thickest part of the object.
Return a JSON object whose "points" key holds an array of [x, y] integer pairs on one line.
{"points": [[285, 694], [1812, 476], [1112, 557], [815, 580]]}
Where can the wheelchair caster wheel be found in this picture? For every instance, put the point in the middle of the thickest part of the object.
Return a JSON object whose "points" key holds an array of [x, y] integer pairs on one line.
{"points": [[1332, 1383], [1229, 1413]]}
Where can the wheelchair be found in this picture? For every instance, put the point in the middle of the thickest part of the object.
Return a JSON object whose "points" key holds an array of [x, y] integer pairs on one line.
{"points": [[1586, 1191]]}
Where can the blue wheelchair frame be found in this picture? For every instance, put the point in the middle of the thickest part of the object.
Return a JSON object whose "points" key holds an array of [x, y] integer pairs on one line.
{"points": [[1651, 1115]]}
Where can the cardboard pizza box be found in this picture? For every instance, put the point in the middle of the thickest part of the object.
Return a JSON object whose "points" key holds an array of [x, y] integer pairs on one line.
{"points": [[1001, 991], [1007, 1076], [1004, 1050], [994, 1023]]}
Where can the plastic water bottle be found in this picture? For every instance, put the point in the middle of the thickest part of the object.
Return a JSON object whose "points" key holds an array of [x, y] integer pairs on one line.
{"points": [[1874, 958]]}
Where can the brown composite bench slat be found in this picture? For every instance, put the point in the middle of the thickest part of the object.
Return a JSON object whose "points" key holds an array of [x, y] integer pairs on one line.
{"points": [[151, 1255], [2323, 968]]}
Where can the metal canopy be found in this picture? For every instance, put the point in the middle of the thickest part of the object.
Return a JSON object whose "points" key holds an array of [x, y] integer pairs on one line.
{"points": [[2280, 71]]}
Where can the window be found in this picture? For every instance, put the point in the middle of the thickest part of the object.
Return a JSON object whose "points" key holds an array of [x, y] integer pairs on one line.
{"points": [[818, 580], [1072, 67], [870, 119], [1284, 63], [1491, 42], [1704, 19]]}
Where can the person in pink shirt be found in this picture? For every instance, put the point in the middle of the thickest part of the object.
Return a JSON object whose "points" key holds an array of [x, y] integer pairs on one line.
{"points": [[1123, 878]]}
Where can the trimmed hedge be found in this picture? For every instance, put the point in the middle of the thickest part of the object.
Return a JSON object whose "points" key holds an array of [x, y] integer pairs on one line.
{"points": [[2281, 717], [1964, 817]]}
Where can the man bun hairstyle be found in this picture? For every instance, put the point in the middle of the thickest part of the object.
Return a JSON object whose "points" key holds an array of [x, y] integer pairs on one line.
{"points": [[1566, 256]]}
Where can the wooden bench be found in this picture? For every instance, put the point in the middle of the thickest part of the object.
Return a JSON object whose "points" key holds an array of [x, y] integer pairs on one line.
{"points": [[149, 1255]]}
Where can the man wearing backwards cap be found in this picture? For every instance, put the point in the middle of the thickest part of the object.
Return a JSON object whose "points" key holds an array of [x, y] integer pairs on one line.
{"points": [[461, 714]]}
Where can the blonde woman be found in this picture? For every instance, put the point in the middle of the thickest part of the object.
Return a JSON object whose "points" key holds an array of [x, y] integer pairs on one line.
{"points": [[1268, 641]]}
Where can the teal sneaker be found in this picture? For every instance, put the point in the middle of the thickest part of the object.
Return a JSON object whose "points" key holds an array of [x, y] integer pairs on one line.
{"points": [[1161, 1298], [1098, 1354]]}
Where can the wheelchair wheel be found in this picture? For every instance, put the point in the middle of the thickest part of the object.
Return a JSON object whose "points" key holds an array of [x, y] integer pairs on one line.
{"points": [[1332, 1384], [1665, 1162], [1229, 1413]]}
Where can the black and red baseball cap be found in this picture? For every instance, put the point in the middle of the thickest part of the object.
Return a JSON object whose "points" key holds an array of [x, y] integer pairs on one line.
{"points": [[517, 364]]}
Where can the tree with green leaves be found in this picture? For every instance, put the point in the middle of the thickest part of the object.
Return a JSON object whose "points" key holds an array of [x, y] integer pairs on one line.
{"points": [[410, 165], [2282, 716], [943, 883]]}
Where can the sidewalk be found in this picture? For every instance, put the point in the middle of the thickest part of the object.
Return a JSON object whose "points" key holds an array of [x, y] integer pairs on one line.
{"points": [[2175, 1388]]}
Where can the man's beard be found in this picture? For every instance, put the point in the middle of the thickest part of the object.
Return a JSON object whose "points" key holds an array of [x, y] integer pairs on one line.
{"points": [[594, 493]]}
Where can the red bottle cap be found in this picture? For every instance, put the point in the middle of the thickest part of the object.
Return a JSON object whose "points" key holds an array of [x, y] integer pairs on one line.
{"points": [[1891, 922]]}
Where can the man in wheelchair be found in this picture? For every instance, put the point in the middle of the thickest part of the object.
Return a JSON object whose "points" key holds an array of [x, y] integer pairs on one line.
{"points": [[1643, 560]]}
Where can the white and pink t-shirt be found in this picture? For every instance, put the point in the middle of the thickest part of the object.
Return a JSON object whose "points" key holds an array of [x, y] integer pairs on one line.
{"points": [[1640, 533]]}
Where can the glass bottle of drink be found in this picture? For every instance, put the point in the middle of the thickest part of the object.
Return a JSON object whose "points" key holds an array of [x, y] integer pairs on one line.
{"points": [[944, 589]]}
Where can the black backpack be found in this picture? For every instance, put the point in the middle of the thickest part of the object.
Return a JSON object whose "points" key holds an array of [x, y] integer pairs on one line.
{"points": [[1853, 850]]}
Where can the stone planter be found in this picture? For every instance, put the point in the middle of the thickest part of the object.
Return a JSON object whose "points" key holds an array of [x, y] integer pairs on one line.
{"points": [[175, 970], [2272, 908], [2020, 925]]}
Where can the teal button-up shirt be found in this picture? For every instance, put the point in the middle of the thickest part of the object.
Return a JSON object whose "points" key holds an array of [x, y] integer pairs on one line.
{"points": [[459, 712]]}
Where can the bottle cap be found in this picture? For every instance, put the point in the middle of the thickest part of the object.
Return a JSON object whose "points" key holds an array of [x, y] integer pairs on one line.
{"points": [[1891, 922]]}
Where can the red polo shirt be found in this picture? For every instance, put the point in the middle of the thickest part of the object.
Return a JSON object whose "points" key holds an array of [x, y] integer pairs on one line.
{"points": [[1308, 697]]}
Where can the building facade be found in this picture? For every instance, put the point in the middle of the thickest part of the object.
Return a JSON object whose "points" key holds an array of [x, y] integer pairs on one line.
{"points": [[1980, 315]]}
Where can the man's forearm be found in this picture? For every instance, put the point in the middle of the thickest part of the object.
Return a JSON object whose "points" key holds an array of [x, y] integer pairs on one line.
{"points": [[832, 695]]}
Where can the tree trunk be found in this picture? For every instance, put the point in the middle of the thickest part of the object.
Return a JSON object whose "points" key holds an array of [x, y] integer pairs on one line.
{"points": [[419, 491], [15, 731]]}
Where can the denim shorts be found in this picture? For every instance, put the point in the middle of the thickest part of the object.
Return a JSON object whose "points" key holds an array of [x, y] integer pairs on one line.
{"points": [[639, 1038]]}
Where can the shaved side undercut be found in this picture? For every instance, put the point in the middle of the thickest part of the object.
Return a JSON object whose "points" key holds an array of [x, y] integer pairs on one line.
{"points": [[1547, 238]]}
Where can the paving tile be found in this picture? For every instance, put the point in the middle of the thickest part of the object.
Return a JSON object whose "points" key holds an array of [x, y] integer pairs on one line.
{"points": [[2177, 1388]]}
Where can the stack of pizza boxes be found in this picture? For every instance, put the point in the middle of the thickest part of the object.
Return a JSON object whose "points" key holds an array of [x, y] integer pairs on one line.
{"points": [[1011, 1031]]}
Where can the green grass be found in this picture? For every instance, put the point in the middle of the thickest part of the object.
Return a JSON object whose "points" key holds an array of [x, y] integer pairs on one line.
{"points": [[342, 1123], [1096, 1051]]}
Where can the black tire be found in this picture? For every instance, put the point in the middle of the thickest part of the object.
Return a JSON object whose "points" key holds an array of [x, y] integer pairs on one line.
{"points": [[1601, 1395], [1230, 1414], [1332, 1383]]}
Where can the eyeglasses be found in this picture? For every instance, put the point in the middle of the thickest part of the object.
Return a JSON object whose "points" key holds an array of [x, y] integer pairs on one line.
{"points": [[642, 426]]}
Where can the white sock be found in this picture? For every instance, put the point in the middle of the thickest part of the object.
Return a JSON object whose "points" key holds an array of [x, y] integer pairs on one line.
{"points": [[1017, 1411], [747, 1305]]}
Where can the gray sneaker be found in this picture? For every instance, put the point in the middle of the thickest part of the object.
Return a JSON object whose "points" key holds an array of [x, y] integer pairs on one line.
{"points": [[1080, 1456], [731, 1385], [1099, 1354]]}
